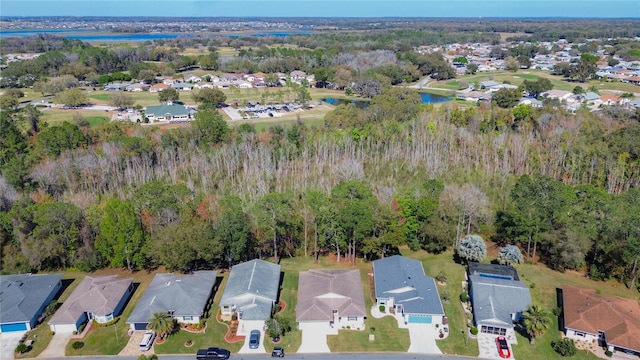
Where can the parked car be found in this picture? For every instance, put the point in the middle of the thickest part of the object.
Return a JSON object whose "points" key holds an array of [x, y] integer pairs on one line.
{"points": [[277, 352], [503, 347], [147, 340], [213, 353], [254, 339]]}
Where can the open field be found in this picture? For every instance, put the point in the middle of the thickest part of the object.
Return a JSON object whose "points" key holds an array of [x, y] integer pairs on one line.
{"points": [[58, 116]]}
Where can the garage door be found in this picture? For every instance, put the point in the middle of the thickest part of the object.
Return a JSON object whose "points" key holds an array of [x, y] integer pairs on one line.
{"points": [[140, 326], [419, 319], [13, 327]]}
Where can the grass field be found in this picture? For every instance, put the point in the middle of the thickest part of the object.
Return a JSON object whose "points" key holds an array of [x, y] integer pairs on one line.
{"points": [[58, 116]]}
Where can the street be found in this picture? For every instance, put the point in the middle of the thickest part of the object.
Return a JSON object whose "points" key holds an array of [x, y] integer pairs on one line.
{"points": [[359, 356]]}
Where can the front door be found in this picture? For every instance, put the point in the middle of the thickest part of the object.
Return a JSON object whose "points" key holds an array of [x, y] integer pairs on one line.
{"points": [[89, 315]]}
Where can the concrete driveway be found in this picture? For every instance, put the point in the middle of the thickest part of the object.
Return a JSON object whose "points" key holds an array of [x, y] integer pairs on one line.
{"points": [[423, 339], [56, 346], [8, 343], [245, 347], [488, 348], [314, 337]]}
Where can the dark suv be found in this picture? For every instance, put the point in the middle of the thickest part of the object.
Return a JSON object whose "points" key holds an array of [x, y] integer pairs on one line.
{"points": [[213, 353], [277, 352]]}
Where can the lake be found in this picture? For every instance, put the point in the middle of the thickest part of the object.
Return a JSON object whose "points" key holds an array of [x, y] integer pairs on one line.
{"points": [[427, 98], [95, 36]]}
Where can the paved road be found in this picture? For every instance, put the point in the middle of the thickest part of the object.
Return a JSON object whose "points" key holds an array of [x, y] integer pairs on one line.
{"points": [[368, 356]]}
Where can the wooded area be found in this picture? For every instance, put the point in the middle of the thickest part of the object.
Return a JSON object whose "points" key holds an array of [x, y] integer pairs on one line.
{"points": [[563, 187]]}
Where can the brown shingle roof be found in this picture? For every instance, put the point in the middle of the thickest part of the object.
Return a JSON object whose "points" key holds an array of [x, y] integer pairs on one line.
{"points": [[100, 295], [619, 318], [322, 291]]}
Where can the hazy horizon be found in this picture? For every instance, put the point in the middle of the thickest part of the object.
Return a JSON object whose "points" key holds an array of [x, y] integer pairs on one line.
{"points": [[325, 9]]}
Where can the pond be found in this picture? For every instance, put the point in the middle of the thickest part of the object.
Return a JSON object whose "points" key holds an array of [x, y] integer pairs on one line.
{"points": [[427, 98]]}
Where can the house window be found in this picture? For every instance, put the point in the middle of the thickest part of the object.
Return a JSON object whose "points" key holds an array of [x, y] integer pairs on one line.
{"points": [[170, 312], [352, 318], [580, 333], [187, 318]]}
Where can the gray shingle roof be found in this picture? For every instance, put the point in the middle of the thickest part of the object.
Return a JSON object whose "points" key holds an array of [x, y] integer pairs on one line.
{"points": [[494, 298], [185, 295], [322, 291], [22, 295], [404, 280], [100, 295], [253, 288]]}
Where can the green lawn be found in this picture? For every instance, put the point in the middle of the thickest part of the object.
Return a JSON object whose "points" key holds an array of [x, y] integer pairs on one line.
{"points": [[58, 116]]}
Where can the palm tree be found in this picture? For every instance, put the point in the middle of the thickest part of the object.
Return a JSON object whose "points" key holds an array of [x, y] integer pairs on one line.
{"points": [[536, 320], [161, 322]]}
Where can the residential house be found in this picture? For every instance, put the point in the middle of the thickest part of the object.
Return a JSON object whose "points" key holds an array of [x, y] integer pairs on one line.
{"points": [[168, 112], [23, 299], [138, 87], [610, 100], [182, 86], [193, 79], [402, 286], [612, 321], [474, 96], [498, 298], [183, 296], [158, 87], [170, 80], [204, 85], [557, 94], [535, 103], [99, 298], [242, 84], [251, 293], [116, 86], [331, 297], [488, 84]]}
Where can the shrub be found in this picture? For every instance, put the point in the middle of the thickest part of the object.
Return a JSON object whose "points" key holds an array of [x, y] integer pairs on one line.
{"points": [[608, 353], [348, 327], [557, 311], [22, 348], [474, 330], [464, 297], [97, 324], [234, 317], [77, 345], [381, 308], [564, 347], [441, 277]]}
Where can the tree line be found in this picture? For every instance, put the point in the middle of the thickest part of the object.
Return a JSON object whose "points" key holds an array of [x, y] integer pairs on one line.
{"points": [[562, 187]]}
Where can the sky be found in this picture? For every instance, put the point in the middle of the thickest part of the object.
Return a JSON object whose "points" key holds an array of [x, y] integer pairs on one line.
{"points": [[328, 8]]}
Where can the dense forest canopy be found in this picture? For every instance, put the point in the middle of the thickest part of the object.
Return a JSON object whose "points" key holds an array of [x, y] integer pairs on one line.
{"points": [[563, 187]]}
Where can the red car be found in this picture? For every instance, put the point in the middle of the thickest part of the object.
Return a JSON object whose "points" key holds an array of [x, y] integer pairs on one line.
{"points": [[503, 347]]}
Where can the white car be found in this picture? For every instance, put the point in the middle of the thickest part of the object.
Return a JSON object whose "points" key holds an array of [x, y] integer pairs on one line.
{"points": [[147, 340]]}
